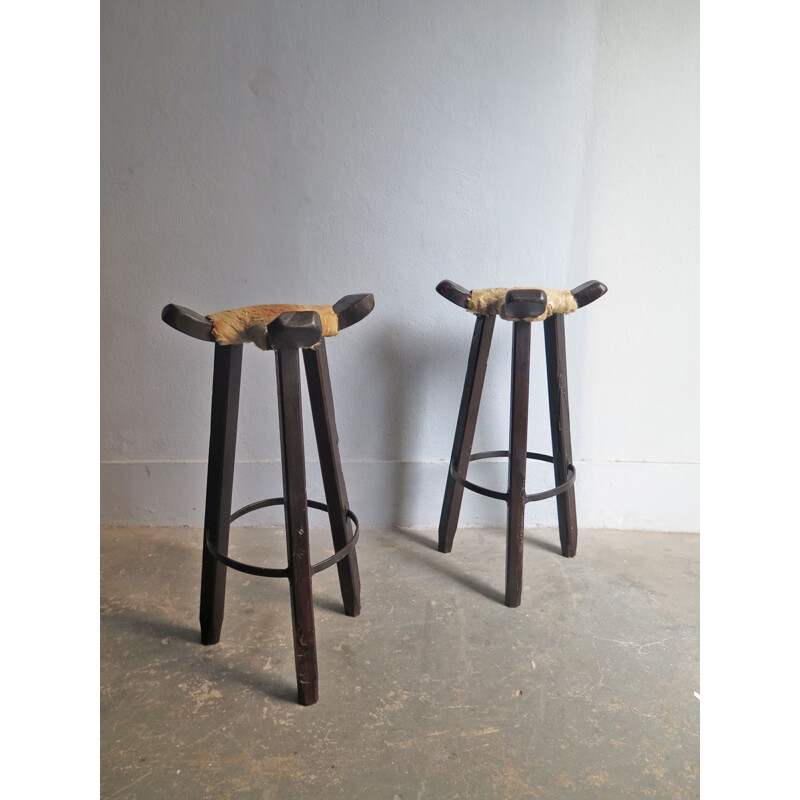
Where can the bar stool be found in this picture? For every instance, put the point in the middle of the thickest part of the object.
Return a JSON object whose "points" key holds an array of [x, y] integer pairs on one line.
{"points": [[520, 306], [287, 330]]}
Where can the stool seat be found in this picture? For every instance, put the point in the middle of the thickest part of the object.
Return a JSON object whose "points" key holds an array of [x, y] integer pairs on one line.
{"points": [[492, 302], [519, 303], [260, 324], [249, 324]]}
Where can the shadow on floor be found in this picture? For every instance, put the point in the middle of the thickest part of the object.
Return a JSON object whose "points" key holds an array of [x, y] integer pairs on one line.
{"points": [[142, 625], [539, 540], [440, 562]]}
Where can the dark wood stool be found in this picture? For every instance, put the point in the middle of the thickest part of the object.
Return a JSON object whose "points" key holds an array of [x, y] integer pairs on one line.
{"points": [[287, 330], [520, 306]]}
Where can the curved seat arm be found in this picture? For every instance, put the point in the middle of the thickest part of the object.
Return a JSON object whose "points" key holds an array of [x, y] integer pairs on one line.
{"points": [[189, 322], [454, 293], [353, 308], [588, 292]]}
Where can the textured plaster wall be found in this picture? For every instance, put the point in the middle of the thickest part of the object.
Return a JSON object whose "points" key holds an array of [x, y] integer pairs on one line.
{"points": [[258, 152]]}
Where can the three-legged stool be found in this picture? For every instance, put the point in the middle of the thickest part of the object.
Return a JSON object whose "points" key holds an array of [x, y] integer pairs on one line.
{"points": [[520, 306], [287, 330]]}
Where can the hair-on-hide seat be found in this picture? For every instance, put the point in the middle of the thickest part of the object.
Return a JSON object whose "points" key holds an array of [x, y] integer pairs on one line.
{"points": [[493, 301], [520, 303], [257, 324], [249, 324]]}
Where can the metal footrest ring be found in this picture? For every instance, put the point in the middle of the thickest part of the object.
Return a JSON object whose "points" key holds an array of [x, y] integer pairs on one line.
{"points": [[274, 572], [529, 498]]}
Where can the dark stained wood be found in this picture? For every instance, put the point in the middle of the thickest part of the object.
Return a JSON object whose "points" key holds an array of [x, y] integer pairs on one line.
{"points": [[294, 329], [588, 292], [465, 428], [290, 412], [525, 303], [189, 322], [219, 486], [321, 397], [519, 305], [353, 308], [454, 293], [517, 461], [556, 353]]}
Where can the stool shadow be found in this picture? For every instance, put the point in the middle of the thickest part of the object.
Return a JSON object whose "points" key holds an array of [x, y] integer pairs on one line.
{"points": [[141, 624], [329, 604], [440, 563], [435, 370], [538, 541], [149, 626], [544, 544], [274, 688]]}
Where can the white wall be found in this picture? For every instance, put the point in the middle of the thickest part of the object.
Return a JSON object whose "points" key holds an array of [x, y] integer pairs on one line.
{"points": [[257, 152]]}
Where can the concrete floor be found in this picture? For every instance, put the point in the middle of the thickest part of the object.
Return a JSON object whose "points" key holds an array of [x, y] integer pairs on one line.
{"points": [[436, 691]]}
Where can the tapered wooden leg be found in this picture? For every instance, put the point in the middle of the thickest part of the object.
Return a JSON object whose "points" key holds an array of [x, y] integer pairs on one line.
{"points": [[465, 429], [287, 363], [556, 352], [321, 396], [219, 486], [517, 462]]}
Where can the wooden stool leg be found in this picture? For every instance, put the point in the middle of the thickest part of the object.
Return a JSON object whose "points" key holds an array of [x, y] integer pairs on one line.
{"points": [[321, 396], [556, 352], [219, 486], [287, 363], [517, 461], [465, 429]]}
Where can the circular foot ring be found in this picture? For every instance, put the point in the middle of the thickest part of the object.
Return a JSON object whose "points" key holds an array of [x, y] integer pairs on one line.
{"points": [[529, 498], [274, 572]]}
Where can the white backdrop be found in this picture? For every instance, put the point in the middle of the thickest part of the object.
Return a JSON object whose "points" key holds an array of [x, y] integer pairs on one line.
{"points": [[257, 152]]}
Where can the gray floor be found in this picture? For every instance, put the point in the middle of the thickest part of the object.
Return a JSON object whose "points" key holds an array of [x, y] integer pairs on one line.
{"points": [[436, 691]]}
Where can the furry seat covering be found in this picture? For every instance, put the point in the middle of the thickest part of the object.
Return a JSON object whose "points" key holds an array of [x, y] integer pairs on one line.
{"points": [[491, 302], [249, 324]]}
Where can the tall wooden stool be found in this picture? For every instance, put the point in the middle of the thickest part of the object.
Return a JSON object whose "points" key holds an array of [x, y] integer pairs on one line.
{"points": [[520, 306], [287, 330]]}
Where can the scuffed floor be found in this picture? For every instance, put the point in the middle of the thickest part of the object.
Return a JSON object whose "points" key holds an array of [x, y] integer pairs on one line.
{"points": [[436, 691]]}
